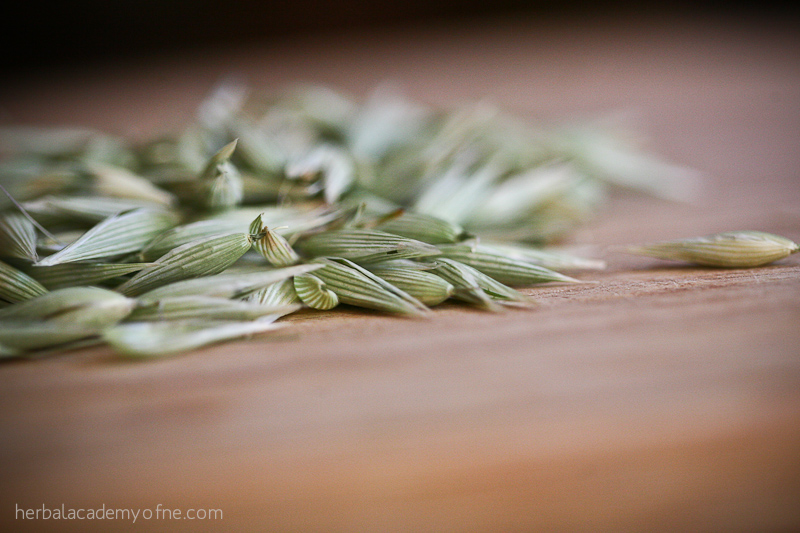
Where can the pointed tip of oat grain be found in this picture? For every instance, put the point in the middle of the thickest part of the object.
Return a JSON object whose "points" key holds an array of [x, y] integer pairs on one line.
{"points": [[228, 149]]}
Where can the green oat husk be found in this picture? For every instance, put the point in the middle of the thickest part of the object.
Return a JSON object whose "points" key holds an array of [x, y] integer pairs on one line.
{"points": [[203, 257], [7, 352], [17, 237], [23, 336], [119, 182], [117, 235], [180, 235], [505, 269], [475, 287], [313, 292], [206, 308], [302, 219], [61, 316], [278, 293], [356, 286], [221, 182], [25, 178], [426, 287], [81, 273], [91, 209], [465, 284], [330, 164], [154, 339], [364, 246], [459, 191], [332, 219], [227, 285], [732, 249], [16, 286], [272, 246], [46, 246], [610, 156], [89, 341], [258, 150], [425, 228], [90, 307], [516, 197], [548, 258]]}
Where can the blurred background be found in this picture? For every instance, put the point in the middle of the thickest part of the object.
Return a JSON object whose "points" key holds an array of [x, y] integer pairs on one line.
{"points": [[684, 70], [45, 34]]}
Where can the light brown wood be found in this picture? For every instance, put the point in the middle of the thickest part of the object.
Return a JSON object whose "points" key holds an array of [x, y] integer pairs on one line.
{"points": [[659, 397]]}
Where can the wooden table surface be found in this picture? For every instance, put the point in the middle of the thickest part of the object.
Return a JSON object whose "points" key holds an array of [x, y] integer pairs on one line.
{"points": [[659, 398]]}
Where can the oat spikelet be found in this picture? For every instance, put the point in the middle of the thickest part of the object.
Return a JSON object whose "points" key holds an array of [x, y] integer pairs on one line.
{"points": [[732, 249]]}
